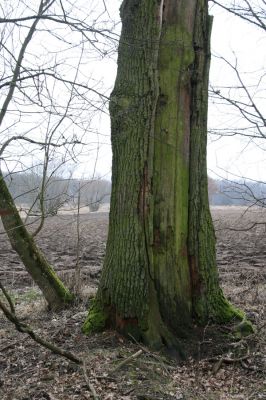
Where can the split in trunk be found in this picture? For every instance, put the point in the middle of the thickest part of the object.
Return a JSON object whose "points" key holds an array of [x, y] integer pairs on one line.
{"points": [[160, 274]]}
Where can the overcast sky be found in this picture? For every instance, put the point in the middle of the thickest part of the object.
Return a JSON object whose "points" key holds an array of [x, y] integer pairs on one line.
{"points": [[232, 39]]}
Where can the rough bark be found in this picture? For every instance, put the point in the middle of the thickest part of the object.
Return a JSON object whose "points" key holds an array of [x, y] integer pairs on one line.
{"points": [[56, 294], [160, 273], [207, 297]]}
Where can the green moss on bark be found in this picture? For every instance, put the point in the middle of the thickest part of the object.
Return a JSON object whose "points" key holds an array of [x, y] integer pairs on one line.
{"points": [[243, 329], [208, 300], [54, 291], [96, 319], [160, 272]]}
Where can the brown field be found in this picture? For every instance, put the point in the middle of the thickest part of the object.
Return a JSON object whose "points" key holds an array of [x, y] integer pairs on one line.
{"points": [[28, 371]]}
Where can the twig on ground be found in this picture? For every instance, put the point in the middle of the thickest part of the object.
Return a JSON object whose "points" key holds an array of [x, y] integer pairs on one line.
{"points": [[155, 356], [105, 377], [227, 360], [129, 391], [21, 327], [156, 363], [249, 367], [8, 346], [133, 356], [51, 396], [89, 384]]}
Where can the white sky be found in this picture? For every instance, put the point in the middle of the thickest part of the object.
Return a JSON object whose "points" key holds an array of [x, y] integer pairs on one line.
{"points": [[231, 38], [227, 157]]}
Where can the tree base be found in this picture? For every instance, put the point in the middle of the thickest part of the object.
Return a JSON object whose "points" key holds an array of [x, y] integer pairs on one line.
{"points": [[155, 334], [216, 309]]}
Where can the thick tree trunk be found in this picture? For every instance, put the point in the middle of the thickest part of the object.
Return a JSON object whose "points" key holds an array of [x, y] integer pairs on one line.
{"points": [[160, 271], [34, 261]]}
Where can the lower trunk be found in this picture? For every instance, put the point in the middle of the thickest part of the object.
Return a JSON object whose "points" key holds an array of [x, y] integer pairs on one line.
{"points": [[35, 263], [160, 272]]}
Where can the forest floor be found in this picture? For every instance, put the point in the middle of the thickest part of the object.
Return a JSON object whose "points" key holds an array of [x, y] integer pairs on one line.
{"points": [[219, 367]]}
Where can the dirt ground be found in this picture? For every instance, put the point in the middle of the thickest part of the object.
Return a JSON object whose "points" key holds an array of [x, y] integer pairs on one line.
{"points": [[222, 367]]}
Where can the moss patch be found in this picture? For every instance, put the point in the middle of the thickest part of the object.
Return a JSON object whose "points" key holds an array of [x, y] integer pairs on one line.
{"points": [[96, 319], [244, 328]]}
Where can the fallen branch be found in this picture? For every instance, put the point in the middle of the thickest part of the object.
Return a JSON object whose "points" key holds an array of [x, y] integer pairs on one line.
{"points": [[155, 356], [89, 384], [23, 328], [227, 360]]}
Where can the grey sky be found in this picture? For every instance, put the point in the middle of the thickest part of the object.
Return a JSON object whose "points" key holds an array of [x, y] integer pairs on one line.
{"points": [[231, 38]]}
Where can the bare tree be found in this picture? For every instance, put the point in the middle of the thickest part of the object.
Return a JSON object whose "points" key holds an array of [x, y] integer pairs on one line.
{"points": [[48, 104], [244, 100], [247, 102], [252, 11], [94, 192]]}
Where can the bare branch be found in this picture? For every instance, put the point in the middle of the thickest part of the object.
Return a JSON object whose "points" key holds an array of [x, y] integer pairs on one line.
{"points": [[42, 8], [23, 328], [254, 15]]}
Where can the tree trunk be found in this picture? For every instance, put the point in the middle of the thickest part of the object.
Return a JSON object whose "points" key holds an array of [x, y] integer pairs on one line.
{"points": [[35, 263], [160, 273]]}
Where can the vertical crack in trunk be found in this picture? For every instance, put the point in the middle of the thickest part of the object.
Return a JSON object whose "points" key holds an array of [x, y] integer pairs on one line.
{"points": [[147, 285], [146, 191]]}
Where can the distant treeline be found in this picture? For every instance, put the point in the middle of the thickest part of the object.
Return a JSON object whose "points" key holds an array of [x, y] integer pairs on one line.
{"points": [[238, 193], [27, 189]]}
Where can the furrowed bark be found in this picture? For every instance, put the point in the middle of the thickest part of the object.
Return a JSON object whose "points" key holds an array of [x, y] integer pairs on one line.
{"points": [[160, 273], [208, 300], [127, 295]]}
